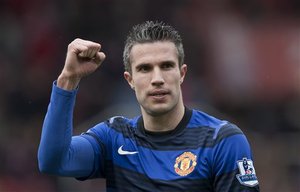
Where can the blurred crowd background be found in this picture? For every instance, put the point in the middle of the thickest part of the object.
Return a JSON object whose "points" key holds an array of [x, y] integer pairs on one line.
{"points": [[243, 61]]}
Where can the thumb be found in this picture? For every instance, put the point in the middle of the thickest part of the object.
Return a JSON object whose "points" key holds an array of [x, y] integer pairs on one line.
{"points": [[99, 58]]}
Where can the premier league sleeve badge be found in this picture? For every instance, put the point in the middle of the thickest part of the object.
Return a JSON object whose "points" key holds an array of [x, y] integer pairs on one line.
{"points": [[247, 174]]}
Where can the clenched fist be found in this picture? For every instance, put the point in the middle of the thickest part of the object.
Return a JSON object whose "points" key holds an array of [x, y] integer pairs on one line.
{"points": [[83, 58]]}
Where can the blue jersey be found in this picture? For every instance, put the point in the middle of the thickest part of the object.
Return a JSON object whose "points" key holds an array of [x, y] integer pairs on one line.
{"points": [[202, 153]]}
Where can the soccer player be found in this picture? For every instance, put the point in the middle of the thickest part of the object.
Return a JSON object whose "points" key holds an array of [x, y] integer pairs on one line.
{"points": [[169, 147]]}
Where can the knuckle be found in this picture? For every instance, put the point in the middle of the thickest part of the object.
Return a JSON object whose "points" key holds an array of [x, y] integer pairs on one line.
{"points": [[70, 46], [77, 39]]}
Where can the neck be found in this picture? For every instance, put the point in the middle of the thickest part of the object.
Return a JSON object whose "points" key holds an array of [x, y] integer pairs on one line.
{"points": [[164, 122]]}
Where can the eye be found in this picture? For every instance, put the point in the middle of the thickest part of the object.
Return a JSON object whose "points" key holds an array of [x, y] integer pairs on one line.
{"points": [[167, 65], [143, 68]]}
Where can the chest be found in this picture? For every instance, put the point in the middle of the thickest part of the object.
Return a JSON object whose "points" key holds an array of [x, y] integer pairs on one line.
{"points": [[162, 161]]}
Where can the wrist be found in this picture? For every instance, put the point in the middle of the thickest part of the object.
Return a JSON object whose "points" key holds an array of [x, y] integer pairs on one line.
{"points": [[67, 83]]}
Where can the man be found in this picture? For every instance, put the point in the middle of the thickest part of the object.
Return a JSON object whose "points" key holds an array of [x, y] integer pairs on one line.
{"points": [[168, 148]]}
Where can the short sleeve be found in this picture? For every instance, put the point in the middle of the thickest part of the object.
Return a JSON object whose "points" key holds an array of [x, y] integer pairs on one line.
{"points": [[232, 162]]}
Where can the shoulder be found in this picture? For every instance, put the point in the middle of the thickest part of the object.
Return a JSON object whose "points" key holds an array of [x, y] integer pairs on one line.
{"points": [[227, 130], [113, 127], [116, 124], [200, 118], [120, 121], [220, 129]]}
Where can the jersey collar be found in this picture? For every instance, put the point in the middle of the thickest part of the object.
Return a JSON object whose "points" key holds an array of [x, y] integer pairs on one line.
{"points": [[142, 132]]}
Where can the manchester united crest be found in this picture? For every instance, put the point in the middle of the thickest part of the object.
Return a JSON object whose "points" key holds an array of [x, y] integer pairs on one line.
{"points": [[185, 163]]}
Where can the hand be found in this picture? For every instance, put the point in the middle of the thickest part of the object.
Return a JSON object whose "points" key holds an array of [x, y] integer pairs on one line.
{"points": [[83, 58]]}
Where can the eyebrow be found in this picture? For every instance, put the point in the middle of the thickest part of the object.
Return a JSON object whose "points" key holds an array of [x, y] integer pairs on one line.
{"points": [[163, 62], [142, 65], [168, 62]]}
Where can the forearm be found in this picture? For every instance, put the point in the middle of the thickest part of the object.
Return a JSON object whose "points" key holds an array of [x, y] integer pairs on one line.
{"points": [[58, 152]]}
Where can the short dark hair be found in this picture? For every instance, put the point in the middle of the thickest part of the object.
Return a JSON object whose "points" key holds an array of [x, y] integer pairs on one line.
{"points": [[151, 31]]}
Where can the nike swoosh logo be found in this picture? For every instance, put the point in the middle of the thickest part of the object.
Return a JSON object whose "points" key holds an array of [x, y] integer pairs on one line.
{"points": [[122, 152]]}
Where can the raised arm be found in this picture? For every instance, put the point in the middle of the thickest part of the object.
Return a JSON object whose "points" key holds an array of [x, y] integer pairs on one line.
{"points": [[60, 153]]}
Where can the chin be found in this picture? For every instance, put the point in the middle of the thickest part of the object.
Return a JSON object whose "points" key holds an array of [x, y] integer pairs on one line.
{"points": [[158, 110]]}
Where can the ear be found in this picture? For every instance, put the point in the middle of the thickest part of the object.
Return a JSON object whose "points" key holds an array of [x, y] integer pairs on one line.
{"points": [[183, 70], [129, 79]]}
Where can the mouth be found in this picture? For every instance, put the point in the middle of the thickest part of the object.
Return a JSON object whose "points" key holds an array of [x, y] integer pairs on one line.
{"points": [[158, 93]]}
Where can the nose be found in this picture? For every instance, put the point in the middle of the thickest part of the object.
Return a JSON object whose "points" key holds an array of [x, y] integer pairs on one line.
{"points": [[157, 77]]}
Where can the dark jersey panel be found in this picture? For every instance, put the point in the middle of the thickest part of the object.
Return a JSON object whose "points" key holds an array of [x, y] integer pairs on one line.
{"points": [[132, 181]]}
